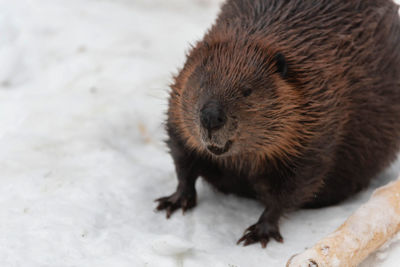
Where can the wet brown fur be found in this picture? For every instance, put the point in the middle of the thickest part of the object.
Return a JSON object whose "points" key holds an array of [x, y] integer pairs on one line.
{"points": [[309, 138]]}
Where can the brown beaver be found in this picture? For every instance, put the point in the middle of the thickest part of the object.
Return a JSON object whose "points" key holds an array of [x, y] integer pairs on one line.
{"points": [[295, 103]]}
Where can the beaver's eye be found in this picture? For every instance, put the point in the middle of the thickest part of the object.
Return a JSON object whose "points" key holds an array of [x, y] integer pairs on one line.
{"points": [[247, 92]]}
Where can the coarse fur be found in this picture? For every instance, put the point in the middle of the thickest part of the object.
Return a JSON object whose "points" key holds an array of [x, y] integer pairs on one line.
{"points": [[311, 95]]}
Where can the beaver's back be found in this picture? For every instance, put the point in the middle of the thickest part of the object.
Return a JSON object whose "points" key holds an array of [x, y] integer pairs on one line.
{"points": [[356, 33]]}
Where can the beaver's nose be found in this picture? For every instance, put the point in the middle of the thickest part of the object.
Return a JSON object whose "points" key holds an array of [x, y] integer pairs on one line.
{"points": [[212, 116]]}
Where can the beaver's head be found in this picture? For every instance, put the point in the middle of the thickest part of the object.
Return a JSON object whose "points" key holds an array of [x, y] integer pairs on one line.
{"points": [[234, 99]]}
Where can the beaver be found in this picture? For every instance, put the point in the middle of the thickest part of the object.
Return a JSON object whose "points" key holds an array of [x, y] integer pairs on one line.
{"points": [[293, 103]]}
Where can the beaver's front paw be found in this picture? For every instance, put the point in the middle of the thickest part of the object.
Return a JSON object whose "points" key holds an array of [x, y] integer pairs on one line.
{"points": [[183, 200], [261, 232]]}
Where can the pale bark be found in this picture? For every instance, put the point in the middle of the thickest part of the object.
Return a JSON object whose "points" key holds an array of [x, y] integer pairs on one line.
{"points": [[362, 233]]}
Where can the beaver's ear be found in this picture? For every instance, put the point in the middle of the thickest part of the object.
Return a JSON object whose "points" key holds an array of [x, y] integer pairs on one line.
{"points": [[281, 64]]}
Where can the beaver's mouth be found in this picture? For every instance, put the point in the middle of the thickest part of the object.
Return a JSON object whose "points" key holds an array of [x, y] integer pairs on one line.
{"points": [[216, 150]]}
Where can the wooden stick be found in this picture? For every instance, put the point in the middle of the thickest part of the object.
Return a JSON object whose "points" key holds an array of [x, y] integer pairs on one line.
{"points": [[362, 233]]}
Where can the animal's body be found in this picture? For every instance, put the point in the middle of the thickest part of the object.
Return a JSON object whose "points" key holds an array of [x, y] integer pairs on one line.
{"points": [[295, 103]]}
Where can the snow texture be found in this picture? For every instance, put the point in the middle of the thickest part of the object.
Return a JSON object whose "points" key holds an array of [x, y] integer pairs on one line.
{"points": [[83, 87]]}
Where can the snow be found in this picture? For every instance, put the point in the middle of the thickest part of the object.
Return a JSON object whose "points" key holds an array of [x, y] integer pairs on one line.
{"points": [[83, 88]]}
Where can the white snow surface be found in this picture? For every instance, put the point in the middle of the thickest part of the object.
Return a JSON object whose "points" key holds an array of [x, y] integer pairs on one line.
{"points": [[83, 89]]}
